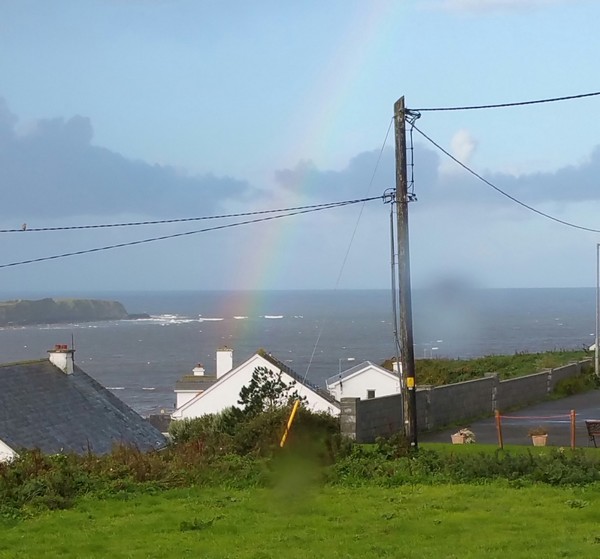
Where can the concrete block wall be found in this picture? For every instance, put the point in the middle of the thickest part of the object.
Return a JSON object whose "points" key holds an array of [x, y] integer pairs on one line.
{"points": [[463, 400], [424, 417], [567, 371], [377, 417], [518, 392], [365, 420], [349, 417]]}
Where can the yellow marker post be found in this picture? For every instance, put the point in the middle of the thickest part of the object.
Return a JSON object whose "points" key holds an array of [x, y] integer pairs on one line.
{"points": [[289, 423]]}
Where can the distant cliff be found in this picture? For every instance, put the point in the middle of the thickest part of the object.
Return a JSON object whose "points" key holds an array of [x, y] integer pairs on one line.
{"points": [[48, 311]]}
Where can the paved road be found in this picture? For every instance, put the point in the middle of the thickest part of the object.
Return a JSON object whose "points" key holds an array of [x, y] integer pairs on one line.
{"points": [[554, 415]]}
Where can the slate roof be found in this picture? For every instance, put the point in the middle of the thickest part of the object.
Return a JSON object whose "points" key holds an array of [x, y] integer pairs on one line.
{"points": [[195, 382], [42, 407], [283, 367]]}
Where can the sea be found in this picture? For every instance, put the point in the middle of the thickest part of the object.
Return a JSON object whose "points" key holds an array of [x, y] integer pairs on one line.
{"points": [[317, 333]]}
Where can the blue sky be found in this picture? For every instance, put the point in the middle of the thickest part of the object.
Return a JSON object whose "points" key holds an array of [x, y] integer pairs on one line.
{"points": [[139, 110]]}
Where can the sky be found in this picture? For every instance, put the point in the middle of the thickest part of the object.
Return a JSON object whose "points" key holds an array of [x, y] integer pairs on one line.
{"points": [[119, 111]]}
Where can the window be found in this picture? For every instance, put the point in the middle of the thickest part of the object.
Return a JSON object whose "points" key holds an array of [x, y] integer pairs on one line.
{"points": [[370, 394]]}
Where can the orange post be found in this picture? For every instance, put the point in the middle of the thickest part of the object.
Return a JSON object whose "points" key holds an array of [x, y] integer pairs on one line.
{"points": [[573, 429], [499, 429], [289, 423]]}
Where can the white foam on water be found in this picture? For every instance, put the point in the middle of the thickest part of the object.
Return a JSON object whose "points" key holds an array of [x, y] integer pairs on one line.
{"points": [[167, 319]]}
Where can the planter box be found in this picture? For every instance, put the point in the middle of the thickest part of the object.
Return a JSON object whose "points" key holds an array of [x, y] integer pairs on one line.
{"points": [[458, 439], [539, 440]]}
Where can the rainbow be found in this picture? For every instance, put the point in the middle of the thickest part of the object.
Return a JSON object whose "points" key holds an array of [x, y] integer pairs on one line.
{"points": [[320, 117]]}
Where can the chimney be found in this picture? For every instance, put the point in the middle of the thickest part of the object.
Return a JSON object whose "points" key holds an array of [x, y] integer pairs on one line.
{"points": [[198, 370], [62, 357], [397, 367], [224, 361]]}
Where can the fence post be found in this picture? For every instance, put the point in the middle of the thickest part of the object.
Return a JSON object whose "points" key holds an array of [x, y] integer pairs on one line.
{"points": [[573, 429]]}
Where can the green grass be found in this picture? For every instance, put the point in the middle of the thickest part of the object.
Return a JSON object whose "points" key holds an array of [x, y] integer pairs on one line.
{"points": [[290, 521]]}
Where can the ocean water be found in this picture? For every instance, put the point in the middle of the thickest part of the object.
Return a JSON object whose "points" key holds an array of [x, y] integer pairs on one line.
{"points": [[317, 333]]}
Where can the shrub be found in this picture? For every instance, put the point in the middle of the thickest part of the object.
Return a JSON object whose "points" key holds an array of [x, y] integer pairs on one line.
{"points": [[575, 385]]}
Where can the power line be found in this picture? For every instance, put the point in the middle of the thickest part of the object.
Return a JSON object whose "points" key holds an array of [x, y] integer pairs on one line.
{"points": [[26, 229], [500, 191], [187, 233], [352, 236], [503, 105]]}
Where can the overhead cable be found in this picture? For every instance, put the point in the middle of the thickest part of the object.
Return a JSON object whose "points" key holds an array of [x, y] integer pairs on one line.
{"points": [[503, 105], [500, 191], [26, 229], [352, 236], [188, 233]]}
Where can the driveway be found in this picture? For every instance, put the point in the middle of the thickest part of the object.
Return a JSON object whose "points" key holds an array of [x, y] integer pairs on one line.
{"points": [[554, 415]]}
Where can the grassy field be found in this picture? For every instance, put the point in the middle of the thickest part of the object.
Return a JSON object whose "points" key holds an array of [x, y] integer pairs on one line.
{"points": [[446, 371], [300, 521]]}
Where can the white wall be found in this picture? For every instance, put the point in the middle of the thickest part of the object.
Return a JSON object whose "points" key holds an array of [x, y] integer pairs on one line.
{"points": [[184, 396], [369, 378], [224, 361], [6, 453], [226, 392]]}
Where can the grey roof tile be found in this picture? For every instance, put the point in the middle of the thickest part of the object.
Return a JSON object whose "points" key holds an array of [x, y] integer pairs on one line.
{"points": [[195, 382], [283, 367], [42, 407]]}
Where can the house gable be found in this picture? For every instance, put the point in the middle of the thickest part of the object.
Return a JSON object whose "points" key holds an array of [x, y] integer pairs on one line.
{"points": [[6, 453], [366, 380], [225, 392]]}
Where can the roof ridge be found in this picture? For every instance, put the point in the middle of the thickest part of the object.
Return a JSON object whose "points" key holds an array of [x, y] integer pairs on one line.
{"points": [[287, 369], [25, 362]]}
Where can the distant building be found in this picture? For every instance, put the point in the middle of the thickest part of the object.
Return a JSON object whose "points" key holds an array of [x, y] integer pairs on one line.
{"points": [[364, 381], [53, 405], [201, 393], [190, 386]]}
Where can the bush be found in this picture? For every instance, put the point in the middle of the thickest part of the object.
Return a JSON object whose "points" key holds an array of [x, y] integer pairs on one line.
{"points": [[209, 425], [575, 385], [559, 467]]}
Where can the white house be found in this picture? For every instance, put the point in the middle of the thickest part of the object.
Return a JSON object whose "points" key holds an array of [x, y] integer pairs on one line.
{"points": [[189, 386], [223, 389], [366, 380]]}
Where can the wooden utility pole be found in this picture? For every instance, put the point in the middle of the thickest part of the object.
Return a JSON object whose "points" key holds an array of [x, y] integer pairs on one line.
{"points": [[407, 356]]}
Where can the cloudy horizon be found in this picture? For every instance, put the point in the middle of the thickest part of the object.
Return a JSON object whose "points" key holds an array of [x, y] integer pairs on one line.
{"points": [[135, 117]]}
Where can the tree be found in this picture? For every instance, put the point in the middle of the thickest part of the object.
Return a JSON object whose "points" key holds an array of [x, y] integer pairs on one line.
{"points": [[267, 391]]}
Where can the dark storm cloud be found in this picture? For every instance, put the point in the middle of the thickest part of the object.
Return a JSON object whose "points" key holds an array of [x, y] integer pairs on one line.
{"points": [[452, 185], [367, 174], [569, 184], [56, 166], [574, 183]]}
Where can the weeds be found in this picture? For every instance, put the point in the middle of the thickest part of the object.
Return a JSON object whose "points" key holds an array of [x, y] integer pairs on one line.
{"points": [[316, 454]]}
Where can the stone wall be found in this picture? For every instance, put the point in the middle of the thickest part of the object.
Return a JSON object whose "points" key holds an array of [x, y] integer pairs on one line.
{"points": [[437, 407]]}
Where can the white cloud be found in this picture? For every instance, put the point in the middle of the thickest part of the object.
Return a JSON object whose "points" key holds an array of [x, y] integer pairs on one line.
{"points": [[463, 145]]}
